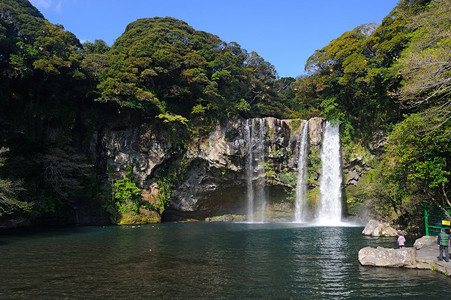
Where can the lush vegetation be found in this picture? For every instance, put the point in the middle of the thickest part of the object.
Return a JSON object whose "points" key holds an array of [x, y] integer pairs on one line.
{"points": [[39, 94], [126, 195], [55, 92], [395, 78], [186, 78], [415, 170], [392, 77]]}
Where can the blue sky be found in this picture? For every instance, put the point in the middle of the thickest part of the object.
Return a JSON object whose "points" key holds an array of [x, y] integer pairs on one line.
{"points": [[284, 32]]}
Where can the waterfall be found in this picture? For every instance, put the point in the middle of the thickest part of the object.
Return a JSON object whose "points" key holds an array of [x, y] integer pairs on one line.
{"points": [[255, 170], [77, 218], [329, 210], [260, 170], [249, 171], [301, 185]]}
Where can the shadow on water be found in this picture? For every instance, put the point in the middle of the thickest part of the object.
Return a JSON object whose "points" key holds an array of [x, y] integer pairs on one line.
{"points": [[44, 231]]}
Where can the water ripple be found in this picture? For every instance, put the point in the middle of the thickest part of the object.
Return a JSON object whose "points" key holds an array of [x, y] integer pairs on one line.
{"points": [[211, 261]]}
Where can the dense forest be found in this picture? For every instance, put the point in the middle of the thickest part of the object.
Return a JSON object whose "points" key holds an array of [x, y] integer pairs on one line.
{"points": [[391, 79]]}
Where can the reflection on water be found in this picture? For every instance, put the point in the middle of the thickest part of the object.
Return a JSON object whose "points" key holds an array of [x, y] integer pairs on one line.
{"points": [[203, 260], [333, 270]]}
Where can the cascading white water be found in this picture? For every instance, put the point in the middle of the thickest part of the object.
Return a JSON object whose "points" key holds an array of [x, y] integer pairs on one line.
{"points": [[329, 210], [260, 170], [255, 168], [249, 171], [301, 185]]}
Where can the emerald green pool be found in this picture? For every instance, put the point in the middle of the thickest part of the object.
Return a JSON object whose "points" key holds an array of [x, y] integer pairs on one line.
{"points": [[203, 261]]}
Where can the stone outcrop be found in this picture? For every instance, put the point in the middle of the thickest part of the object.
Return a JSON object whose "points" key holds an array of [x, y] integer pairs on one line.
{"points": [[378, 141], [383, 257], [316, 128], [360, 158], [354, 170], [425, 241], [375, 228], [427, 252], [143, 147]]}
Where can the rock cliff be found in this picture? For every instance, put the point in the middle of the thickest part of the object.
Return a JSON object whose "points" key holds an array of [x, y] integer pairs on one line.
{"points": [[213, 178]]}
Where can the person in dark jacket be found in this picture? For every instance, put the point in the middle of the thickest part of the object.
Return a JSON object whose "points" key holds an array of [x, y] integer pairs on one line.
{"points": [[443, 240]]}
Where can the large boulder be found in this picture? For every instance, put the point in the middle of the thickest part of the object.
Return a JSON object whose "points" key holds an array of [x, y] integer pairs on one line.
{"points": [[375, 228], [388, 257], [425, 241]]}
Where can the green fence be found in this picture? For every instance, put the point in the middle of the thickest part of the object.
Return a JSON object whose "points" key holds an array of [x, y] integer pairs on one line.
{"points": [[436, 218]]}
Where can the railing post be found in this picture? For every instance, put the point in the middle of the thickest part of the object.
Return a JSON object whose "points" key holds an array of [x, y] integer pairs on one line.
{"points": [[426, 221]]}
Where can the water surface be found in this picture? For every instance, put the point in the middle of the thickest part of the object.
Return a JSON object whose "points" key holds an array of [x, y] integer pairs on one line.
{"points": [[203, 261]]}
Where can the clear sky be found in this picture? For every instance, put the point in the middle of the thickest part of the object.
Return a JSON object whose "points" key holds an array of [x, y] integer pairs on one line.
{"points": [[283, 32]]}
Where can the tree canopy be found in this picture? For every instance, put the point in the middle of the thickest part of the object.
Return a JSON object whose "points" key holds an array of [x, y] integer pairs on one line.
{"points": [[352, 78], [415, 170], [394, 77], [425, 65], [166, 68]]}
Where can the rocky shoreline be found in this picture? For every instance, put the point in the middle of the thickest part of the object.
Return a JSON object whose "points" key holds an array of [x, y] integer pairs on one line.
{"points": [[423, 254]]}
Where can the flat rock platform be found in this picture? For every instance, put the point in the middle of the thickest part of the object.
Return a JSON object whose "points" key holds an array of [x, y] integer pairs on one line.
{"points": [[423, 255]]}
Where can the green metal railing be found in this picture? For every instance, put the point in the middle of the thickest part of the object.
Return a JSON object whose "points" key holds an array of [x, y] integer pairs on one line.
{"points": [[435, 218]]}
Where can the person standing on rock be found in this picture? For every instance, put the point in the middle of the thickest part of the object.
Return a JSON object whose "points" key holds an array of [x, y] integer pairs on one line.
{"points": [[401, 239], [443, 240]]}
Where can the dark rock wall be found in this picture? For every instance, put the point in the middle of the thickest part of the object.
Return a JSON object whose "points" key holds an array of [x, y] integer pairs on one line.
{"points": [[215, 181]]}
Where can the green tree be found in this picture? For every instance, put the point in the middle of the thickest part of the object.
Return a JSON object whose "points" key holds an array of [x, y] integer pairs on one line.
{"points": [[40, 95], [163, 66], [126, 194], [9, 189], [425, 65], [415, 168], [98, 47], [39, 65], [351, 78]]}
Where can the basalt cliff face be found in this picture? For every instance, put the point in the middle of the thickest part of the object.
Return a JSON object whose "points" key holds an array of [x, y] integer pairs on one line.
{"points": [[213, 179], [206, 177], [216, 181], [211, 171]]}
